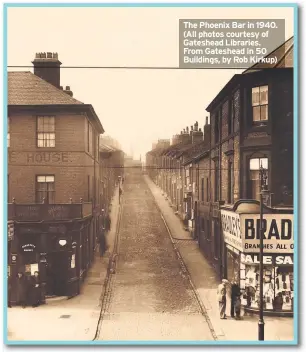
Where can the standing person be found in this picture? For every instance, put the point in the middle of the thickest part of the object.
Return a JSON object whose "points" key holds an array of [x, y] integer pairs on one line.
{"points": [[102, 243], [35, 290], [120, 193], [238, 308], [21, 290], [221, 292], [235, 294]]}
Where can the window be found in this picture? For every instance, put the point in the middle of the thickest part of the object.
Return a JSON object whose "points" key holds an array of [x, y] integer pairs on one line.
{"points": [[260, 103], [45, 131], [207, 230], [202, 189], [207, 190], [90, 139], [216, 181], [231, 117], [45, 189], [217, 131], [88, 188], [230, 183], [8, 132], [255, 186]]}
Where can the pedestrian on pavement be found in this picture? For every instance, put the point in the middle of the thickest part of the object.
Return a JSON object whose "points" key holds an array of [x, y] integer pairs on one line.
{"points": [[120, 193], [21, 290], [238, 308], [35, 290], [107, 223], [235, 294], [102, 243], [221, 292]]}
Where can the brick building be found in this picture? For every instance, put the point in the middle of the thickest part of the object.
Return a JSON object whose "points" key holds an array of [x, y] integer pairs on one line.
{"points": [[251, 131], [53, 178]]}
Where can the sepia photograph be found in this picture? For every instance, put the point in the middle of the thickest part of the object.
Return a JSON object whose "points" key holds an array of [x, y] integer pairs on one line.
{"points": [[150, 174]]}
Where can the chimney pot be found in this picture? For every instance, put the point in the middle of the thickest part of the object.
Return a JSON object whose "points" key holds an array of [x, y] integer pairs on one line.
{"points": [[43, 55], [61, 87], [67, 87], [200, 130], [191, 128], [49, 55], [55, 55]]}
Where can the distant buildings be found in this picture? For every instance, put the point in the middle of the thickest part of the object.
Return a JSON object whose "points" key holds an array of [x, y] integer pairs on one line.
{"points": [[212, 180]]}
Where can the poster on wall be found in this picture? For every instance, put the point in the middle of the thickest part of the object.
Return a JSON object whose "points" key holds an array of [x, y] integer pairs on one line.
{"points": [[34, 267]]}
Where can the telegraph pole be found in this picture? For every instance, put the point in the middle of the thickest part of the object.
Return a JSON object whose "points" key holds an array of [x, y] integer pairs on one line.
{"points": [[263, 191]]}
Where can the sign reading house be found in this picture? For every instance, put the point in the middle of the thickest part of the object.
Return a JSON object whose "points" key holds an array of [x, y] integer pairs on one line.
{"points": [[242, 231]]}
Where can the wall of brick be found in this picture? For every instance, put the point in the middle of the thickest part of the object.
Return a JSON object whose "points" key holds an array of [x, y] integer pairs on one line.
{"points": [[67, 161]]}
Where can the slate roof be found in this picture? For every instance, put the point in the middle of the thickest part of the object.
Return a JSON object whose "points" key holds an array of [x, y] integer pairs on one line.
{"points": [[25, 88]]}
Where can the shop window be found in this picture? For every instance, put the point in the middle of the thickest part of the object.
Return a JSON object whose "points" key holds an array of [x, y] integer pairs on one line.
{"points": [[255, 182], [260, 103], [45, 131], [45, 189], [278, 290]]}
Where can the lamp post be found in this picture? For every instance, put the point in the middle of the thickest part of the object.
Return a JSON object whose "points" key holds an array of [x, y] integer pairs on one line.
{"points": [[263, 192]]}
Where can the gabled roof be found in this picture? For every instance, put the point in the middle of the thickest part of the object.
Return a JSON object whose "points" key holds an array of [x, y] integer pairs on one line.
{"points": [[25, 88]]}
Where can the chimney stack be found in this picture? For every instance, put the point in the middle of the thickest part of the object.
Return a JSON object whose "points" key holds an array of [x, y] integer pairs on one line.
{"points": [[47, 67], [197, 135], [206, 130], [68, 91]]}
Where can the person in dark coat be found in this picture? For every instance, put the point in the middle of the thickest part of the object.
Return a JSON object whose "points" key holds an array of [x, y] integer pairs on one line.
{"points": [[120, 194], [35, 290], [107, 223], [21, 290], [235, 294], [102, 243]]}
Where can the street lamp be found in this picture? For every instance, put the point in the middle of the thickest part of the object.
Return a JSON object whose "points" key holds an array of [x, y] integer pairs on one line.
{"points": [[263, 192]]}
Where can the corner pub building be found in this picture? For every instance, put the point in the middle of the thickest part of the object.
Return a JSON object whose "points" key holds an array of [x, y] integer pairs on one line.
{"points": [[53, 179]]}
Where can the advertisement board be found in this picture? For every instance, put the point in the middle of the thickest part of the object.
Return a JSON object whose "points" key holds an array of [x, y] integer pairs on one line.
{"points": [[242, 232]]}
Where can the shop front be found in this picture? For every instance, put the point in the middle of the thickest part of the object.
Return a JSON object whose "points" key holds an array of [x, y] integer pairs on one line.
{"points": [[240, 228]]}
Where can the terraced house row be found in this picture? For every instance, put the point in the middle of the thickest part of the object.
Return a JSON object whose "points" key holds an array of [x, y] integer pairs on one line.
{"points": [[60, 177], [213, 178]]}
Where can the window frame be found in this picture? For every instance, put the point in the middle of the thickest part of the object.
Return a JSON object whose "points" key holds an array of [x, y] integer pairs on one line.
{"points": [[266, 105], [251, 180], [47, 191], [230, 182], [43, 132]]}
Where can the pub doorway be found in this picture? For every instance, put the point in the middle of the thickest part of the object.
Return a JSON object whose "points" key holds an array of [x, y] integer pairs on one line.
{"points": [[57, 273]]}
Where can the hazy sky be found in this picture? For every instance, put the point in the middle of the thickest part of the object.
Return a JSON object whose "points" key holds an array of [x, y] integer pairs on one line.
{"points": [[135, 106]]}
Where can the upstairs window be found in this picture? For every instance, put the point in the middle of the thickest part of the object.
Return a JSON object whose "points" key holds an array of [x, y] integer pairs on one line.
{"points": [[260, 104], [202, 189], [45, 131], [90, 139], [45, 189], [255, 184]]}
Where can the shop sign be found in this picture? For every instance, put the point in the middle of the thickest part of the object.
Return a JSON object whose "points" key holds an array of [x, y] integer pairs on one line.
{"points": [[277, 232], [28, 247], [230, 222], [242, 232], [254, 259]]}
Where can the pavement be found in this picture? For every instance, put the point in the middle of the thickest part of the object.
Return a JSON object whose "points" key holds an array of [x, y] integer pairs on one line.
{"points": [[205, 282], [63, 319]]}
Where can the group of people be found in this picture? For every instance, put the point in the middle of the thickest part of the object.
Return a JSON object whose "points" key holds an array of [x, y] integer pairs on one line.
{"points": [[28, 290], [235, 299]]}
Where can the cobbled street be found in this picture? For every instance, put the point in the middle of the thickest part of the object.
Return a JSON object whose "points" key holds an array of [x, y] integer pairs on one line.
{"points": [[150, 297]]}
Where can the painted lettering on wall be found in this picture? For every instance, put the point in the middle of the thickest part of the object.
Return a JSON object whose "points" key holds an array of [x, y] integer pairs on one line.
{"points": [[47, 157], [58, 211], [28, 247]]}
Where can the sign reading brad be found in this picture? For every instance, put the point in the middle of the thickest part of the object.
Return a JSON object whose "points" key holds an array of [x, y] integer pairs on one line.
{"points": [[242, 231], [277, 232]]}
